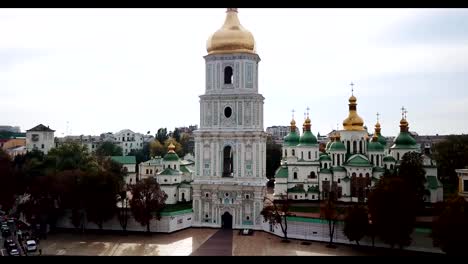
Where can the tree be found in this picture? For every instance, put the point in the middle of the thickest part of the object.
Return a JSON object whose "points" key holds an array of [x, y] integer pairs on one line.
{"points": [[123, 209], [156, 149], [277, 213], [161, 135], [141, 155], [109, 149], [185, 143], [147, 201], [273, 157], [329, 212], [356, 223], [176, 134], [392, 208], [412, 172], [450, 230], [7, 182], [451, 154]]}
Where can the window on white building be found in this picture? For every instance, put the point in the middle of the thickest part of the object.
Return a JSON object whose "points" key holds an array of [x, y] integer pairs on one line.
{"points": [[295, 175], [42, 145]]}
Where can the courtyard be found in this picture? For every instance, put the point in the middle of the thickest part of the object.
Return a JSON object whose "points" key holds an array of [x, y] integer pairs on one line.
{"points": [[188, 241]]}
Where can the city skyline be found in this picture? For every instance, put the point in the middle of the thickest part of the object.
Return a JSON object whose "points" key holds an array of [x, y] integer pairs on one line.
{"points": [[143, 69]]}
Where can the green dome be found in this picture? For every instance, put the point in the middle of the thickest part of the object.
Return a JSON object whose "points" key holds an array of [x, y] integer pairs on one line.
{"points": [[382, 140], [375, 146], [337, 146], [324, 157], [404, 141], [171, 156], [389, 159], [291, 139], [308, 139]]}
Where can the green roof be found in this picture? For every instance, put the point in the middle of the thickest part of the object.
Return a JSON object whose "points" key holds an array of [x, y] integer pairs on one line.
{"points": [[307, 139], [171, 156], [432, 182], [291, 139], [381, 139], [324, 157], [313, 189], [346, 179], [338, 168], [296, 189], [375, 146], [389, 159], [375, 179], [404, 141], [153, 161], [124, 159], [184, 169], [337, 146], [325, 171], [169, 172], [282, 172], [358, 160], [379, 169]]}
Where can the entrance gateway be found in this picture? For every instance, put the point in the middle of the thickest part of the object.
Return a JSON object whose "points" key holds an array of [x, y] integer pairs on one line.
{"points": [[226, 220]]}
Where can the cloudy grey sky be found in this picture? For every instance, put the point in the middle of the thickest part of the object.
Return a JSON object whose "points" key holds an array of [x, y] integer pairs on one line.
{"points": [[103, 70]]}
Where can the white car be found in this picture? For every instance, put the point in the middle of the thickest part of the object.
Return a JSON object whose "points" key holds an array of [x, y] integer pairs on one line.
{"points": [[14, 252], [31, 245]]}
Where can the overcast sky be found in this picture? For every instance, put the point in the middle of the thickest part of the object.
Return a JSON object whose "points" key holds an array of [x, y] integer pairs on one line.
{"points": [[103, 70]]}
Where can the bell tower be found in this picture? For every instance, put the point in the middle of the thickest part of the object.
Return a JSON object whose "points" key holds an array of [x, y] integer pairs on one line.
{"points": [[230, 146]]}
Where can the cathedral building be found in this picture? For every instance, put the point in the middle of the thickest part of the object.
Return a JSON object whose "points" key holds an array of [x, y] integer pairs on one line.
{"points": [[351, 163], [230, 146]]}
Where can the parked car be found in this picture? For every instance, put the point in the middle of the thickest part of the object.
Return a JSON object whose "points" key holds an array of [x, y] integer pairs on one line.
{"points": [[6, 232], [8, 242], [14, 252], [31, 245]]}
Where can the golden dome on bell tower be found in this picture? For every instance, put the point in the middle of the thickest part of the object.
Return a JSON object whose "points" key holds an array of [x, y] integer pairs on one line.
{"points": [[231, 37], [353, 122]]}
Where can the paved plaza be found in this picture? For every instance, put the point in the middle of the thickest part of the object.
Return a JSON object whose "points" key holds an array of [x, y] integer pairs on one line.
{"points": [[194, 241]]}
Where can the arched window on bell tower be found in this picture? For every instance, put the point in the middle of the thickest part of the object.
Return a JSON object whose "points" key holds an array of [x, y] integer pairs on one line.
{"points": [[228, 75], [227, 162]]}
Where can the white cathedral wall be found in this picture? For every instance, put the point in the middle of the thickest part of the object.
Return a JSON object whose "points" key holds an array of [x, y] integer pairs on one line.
{"points": [[171, 191]]}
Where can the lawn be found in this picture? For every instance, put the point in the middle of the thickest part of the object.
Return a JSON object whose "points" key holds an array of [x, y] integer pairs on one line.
{"points": [[304, 209], [177, 207]]}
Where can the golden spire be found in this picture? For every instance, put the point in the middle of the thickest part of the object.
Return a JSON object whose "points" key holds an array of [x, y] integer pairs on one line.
{"points": [[293, 122], [377, 125], [353, 121], [171, 148], [307, 123], [231, 37], [403, 123]]}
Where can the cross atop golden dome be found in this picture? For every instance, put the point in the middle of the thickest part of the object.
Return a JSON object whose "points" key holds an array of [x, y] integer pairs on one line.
{"points": [[353, 121], [231, 37]]}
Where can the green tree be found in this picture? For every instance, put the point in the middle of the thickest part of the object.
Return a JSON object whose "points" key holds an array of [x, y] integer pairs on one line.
{"points": [[451, 154], [450, 230], [278, 213], [162, 135], [7, 182], [141, 155], [185, 143], [356, 223], [273, 157], [109, 149], [392, 207], [411, 171], [156, 149], [147, 201], [176, 134]]}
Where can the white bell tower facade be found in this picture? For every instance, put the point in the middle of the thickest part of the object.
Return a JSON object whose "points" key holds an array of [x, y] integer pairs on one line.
{"points": [[230, 147]]}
